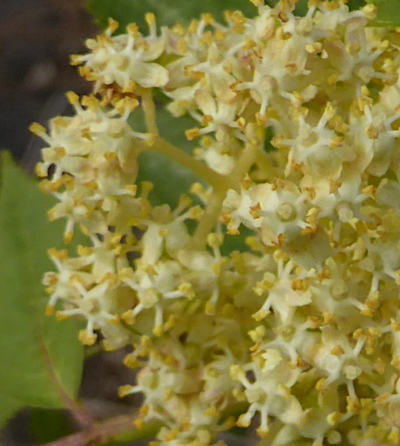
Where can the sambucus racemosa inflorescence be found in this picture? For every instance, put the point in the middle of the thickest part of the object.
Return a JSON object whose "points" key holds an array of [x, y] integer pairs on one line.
{"points": [[304, 326]]}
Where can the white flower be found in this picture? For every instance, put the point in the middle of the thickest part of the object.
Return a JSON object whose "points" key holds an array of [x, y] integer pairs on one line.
{"points": [[125, 59]]}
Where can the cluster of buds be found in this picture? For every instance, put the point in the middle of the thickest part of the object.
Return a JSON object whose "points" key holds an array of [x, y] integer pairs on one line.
{"points": [[301, 330]]}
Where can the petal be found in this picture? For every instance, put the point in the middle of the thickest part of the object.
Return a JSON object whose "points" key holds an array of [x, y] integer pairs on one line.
{"points": [[206, 102], [149, 75], [154, 51]]}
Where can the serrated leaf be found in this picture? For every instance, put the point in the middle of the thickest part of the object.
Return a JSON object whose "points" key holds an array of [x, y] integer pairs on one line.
{"points": [[167, 13], [41, 358]]}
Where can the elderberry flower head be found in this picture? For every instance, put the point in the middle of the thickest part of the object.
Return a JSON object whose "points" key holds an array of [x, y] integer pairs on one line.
{"points": [[300, 328]]}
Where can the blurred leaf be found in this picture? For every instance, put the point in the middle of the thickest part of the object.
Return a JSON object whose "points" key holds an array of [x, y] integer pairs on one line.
{"points": [[48, 425], [388, 12], [356, 4], [8, 407], [236, 242], [301, 6], [167, 12], [40, 357], [170, 179], [269, 134]]}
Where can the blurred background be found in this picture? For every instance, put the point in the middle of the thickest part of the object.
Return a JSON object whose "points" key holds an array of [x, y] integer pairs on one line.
{"points": [[36, 39]]}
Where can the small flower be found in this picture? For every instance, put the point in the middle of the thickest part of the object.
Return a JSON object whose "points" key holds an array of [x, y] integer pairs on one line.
{"points": [[125, 59]]}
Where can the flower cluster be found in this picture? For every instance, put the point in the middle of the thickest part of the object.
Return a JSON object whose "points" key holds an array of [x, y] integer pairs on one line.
{"points": [[300, 332]]}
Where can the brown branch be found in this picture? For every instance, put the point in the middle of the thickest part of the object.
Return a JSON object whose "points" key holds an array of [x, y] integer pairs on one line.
{"points": [[102, 432], [122, 428]]}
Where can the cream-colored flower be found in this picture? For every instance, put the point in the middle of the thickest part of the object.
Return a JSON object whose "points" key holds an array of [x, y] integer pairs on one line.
{"points": [[299, 320], [125, 59]]}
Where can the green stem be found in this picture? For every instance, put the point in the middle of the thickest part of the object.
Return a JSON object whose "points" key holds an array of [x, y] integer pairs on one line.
{"points": [[209, 218], [213, 208], [178, 155], [149, 110]]}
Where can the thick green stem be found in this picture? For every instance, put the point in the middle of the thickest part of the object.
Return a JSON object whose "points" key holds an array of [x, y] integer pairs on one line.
{"points": [[178, 155], [219, 183]]}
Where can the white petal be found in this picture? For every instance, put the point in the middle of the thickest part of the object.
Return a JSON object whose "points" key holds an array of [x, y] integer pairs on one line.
{"points": [[149, 74]]}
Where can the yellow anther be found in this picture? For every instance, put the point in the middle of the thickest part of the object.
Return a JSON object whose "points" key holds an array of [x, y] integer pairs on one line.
{"points": [[61, 316], [192, 134], [334, 417], [337, 350], [49, 310], [124, 390], [133, 30], [257, 3], [370, 11], [113, 25], [72, 97], [68, 236], [158, 331], [37, 129], [150, 19], [243, 421], [87, 338]]}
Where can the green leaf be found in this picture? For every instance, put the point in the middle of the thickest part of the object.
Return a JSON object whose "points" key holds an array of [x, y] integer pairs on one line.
{"points": [[127, 11], [48, 425], [170, 179], [167, 12], [356, 4], [8, 407], [236, 242], [388, 12], [301, 6], [269, 134], [41, 358]]}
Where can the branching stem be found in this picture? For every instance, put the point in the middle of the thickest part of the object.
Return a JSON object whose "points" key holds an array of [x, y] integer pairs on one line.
{"points": [[178, 155], [102, 432], [121, 429], [219, 183], [213, 209], [149, 110]]}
